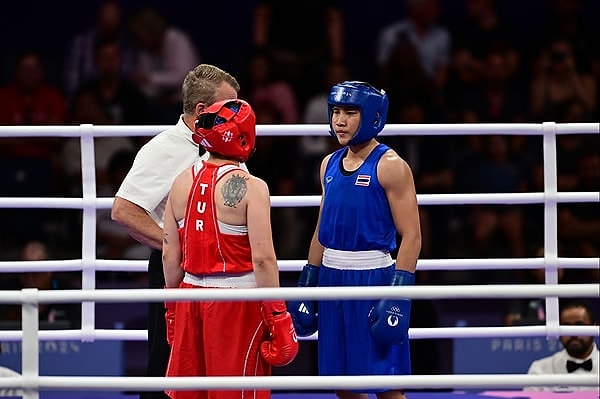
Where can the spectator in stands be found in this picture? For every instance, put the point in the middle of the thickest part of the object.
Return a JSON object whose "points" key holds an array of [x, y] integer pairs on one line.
{"points": [[109, 98], [106, 99], [507, 165], [422, 30], [434, 174], [113, 241], [569, 147], [29, 168], [273, 150], [557, 80], [315, 109], [412, 90], [569, 20], [46, 280], [493, 169], [80, 62], [312, 148], [529, 311], [473, 38], [165, 54], [104, 149], [493, 99], [263, 88], [568, 151], [29, 99], [579, 223], [580, 354], [318, 38]]}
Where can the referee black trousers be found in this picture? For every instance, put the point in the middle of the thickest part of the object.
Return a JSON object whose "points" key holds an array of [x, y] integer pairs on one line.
{"points": [[158, 349]]}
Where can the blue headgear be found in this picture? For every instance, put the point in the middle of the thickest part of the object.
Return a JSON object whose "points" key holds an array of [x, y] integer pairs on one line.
{"points": [[373, 105]]}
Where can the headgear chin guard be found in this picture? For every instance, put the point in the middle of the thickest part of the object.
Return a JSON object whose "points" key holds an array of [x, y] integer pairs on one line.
{"points": [[373, 105], [227, 128]]}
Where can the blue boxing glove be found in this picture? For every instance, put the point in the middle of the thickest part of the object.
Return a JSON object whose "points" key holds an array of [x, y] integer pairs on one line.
{"points": [[390, 318], [304, 315]]}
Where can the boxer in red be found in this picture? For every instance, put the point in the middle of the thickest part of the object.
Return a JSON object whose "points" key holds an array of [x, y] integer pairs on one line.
{"points": [[217, 234]]}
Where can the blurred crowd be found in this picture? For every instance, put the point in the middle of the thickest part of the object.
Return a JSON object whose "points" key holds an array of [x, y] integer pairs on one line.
{"points": [[127, 69]]}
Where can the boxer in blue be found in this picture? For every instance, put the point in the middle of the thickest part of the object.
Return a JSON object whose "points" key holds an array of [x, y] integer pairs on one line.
{"points": [[368, 199]]}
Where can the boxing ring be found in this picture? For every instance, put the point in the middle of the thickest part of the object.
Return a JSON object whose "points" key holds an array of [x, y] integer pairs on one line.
{"points": [[31, 337]]}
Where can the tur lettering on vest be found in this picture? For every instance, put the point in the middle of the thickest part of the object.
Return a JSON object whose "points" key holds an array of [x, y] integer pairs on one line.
{"points": [[201, 208]]}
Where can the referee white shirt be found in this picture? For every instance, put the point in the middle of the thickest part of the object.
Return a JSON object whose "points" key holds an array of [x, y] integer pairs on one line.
{"points": [[156, 166], [557, 364]]}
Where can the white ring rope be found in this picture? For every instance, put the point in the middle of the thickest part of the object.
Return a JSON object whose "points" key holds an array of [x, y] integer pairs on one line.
{"points": [[296, 265], [498, 381], [89, 264], [433, 129], [308, 293], [314, 200], [414, 333]]}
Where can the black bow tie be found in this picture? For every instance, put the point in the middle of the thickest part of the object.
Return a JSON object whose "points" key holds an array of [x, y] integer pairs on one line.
{"points": [[572, 366]]}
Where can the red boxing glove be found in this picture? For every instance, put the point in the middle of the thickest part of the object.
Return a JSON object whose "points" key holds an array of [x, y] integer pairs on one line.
{"points": [[282, 346], [170, 321]]}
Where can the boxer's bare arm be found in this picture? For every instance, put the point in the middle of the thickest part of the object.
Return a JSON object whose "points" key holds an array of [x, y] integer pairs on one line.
{"points": [[172, 254], [260, 234], [137, 222]]}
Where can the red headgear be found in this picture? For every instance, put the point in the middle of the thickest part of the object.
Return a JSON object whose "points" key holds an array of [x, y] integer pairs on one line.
{"points": [[227, 128]]}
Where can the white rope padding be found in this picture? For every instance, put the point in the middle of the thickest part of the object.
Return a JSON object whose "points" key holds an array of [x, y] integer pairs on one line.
{"points": [[89, 265], [296, 265], [314, 200], [414, 333], [310, 293], [433, 129], [463, 381]]}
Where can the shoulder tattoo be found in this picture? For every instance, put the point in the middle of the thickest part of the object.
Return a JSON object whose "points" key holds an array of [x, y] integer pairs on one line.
{"points": [[233, 190]]}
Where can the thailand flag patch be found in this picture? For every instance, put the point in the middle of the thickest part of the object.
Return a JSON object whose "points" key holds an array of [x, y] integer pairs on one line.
{"points": [[362, 180]]}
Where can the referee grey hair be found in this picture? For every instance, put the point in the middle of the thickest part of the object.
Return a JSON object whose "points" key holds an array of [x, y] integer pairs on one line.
{"points": [[200, 85]]}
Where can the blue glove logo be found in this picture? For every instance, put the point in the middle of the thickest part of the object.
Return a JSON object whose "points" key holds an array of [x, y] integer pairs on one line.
{"points": [[392, 321], [396, 313], [394, 316]]}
